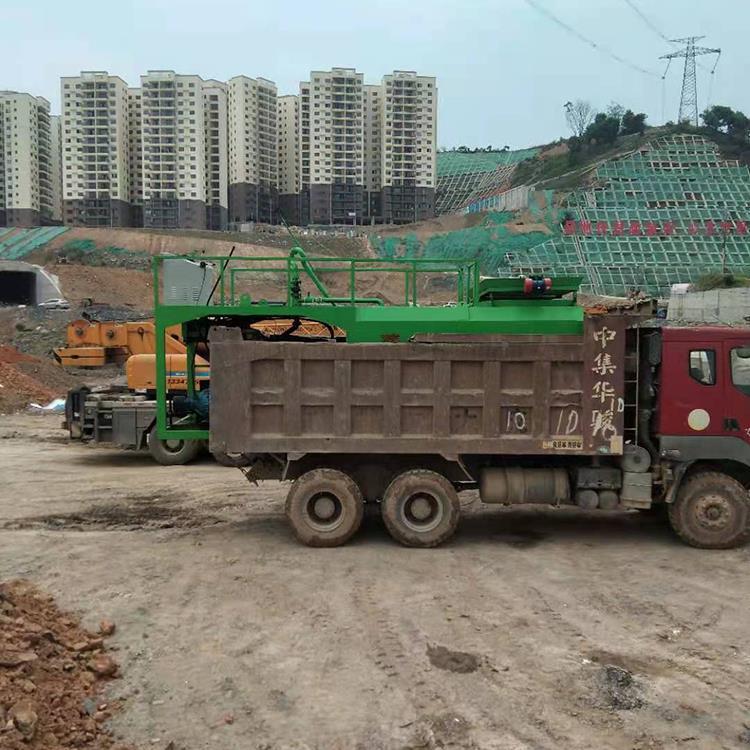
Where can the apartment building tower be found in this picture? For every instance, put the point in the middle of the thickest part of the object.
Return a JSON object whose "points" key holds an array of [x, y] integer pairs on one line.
{"points": [[367, 153], [372, 118], [288, 158], [332, 147], [135, 155], [409, 147], [55, 132], [95, 163], [181, 116], [26, 169], [253, 150]]}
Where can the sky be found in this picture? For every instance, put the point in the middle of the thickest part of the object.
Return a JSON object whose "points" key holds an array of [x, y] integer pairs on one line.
{"points": [[504, 70]]}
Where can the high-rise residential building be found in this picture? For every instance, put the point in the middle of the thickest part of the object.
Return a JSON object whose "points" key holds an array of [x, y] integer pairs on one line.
{"points": [[95, 162], [253, 150], [289, 161], [26, 183], [55, 132], [367, 153], [409, 147], [174, 159], [372, 117], [181, 151], [303, 150], [332, 107], [216, 154], [135, 155]]}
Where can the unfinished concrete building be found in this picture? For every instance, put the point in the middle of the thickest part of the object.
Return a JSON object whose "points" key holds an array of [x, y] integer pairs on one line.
{"points": [[26, 160], [253, 150]]}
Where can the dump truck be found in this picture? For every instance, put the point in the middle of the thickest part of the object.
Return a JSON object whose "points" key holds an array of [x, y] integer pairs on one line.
{"points": [[512, 389]]}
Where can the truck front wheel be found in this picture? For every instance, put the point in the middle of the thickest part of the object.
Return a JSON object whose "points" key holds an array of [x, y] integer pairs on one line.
{"points": [[420, 508], [325, 507], [712, 511], [172, 452]]}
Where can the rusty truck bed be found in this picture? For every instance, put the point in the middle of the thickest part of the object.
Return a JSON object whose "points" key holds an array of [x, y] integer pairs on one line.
{"points": [[450, 396]]}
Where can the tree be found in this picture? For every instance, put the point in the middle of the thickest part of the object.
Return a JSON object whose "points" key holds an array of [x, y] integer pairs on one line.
{"points": [[578, 115], [603, 130], [616, 110], [732, 123], [632, 123]]}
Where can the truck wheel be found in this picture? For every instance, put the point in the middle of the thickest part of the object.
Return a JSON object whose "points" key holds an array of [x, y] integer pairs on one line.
{"points": [[325, 508], [712, 511], [420, 508], [172, 452]]}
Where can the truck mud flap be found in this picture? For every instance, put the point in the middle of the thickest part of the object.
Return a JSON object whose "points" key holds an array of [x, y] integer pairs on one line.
{"points": [[74, 411]]}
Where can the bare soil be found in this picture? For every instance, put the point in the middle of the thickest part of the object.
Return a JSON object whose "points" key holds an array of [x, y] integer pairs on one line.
{"points": [[532, 629], [52, 675]]}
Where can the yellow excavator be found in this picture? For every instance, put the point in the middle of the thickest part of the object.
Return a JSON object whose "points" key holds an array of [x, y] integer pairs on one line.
{"points": [[125, 414]]}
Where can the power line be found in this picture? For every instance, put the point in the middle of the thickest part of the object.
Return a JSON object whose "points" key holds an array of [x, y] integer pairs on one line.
{"points": [[647, 20], [590, 42], [654, 27]]}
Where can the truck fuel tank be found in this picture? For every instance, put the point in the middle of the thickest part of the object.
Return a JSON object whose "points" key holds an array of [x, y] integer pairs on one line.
{"points": [[511, 485]]}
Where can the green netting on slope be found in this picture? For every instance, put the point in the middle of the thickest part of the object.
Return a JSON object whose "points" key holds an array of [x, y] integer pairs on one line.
{"points": [[86, 252], [615, 265], [25, 241], [492, 243], [457, 162]]}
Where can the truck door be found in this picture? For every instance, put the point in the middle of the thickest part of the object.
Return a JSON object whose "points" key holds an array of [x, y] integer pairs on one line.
{"points": [[736, 412], [692, 401]]}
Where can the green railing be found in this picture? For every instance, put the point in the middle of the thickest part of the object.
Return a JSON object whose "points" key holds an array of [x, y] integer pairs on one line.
{"points": [[230, 289]]}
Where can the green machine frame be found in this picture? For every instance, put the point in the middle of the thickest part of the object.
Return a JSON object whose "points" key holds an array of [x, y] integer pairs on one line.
{"points": [[479, 306]]}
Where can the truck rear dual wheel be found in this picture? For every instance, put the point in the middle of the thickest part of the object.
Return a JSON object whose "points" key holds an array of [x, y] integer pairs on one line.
{"points": [[420, 508], [325, 508], [172, 452], [712, 511]]}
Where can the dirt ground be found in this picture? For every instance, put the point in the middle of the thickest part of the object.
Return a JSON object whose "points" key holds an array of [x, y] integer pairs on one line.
{"points": [[531, 629]]}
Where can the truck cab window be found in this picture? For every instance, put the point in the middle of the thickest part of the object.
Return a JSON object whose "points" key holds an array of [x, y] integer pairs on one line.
{"points": [[740, 361], [703, 366]]}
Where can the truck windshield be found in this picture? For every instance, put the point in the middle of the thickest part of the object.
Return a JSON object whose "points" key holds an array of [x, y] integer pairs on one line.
{"points": [[740, 361]]}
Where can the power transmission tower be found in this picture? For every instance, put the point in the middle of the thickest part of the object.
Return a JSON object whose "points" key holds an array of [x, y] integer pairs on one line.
{"points": [[689, 98]]}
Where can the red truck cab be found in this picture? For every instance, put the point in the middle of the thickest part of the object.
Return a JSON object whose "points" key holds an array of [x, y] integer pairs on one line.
{"points": [[703, 429]]}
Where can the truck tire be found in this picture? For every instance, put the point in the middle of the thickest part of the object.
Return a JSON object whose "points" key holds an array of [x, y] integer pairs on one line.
{"points": [[325, 508], [236, 460], [172, 452], [420, 508], [712, 511]]}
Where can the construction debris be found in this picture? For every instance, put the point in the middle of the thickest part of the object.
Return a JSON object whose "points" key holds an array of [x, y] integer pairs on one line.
{"points": [[52, 676], [25, 379]]}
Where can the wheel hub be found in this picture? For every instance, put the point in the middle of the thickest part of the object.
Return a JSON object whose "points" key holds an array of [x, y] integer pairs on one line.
{"points": [[324, 510], [325, 507], [713, 512], [421, 512]]}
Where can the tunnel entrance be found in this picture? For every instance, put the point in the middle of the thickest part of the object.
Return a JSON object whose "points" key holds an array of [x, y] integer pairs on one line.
{"points": [[17, 288]]}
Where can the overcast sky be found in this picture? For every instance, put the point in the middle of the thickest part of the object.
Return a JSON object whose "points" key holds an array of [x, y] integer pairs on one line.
{"points": [[504, 71]]}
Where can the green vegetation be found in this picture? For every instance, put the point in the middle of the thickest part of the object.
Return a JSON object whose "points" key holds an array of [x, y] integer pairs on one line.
{"points": [[709, 281]]}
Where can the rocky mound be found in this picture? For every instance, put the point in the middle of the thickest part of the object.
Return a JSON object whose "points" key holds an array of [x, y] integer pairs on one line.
{"points": [[52, 675]]}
